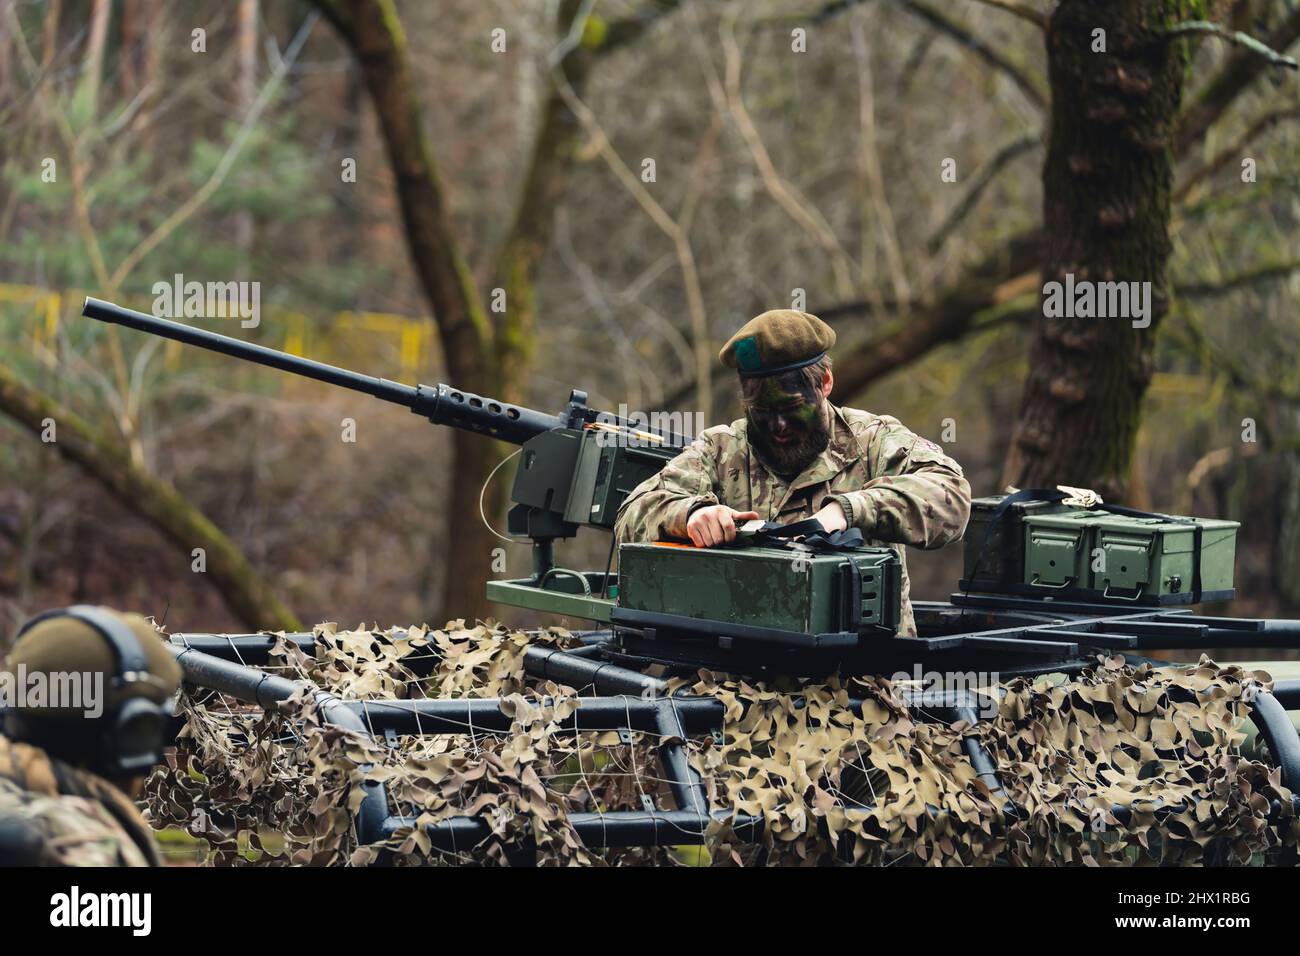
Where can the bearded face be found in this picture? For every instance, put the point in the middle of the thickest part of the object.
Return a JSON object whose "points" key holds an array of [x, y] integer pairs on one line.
{"points": [[789, 420]]}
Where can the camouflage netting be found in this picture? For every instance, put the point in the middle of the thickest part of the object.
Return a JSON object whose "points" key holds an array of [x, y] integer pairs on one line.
{"points": [[892, 785]]}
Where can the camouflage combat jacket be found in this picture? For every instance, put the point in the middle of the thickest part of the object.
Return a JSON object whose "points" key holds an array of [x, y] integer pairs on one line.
{"points": [[900, 488], [52, 814]]}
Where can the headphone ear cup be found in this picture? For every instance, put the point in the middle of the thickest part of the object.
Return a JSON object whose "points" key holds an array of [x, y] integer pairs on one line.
{"points": [[137, 736]]}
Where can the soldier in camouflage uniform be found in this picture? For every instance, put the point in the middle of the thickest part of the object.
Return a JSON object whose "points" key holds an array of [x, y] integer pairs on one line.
{"points": [[67, 774], [795, 455]]}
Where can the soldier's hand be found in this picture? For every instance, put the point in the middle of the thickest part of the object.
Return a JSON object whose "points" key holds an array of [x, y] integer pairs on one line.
{"points": [[832, 518], [714, 525]]}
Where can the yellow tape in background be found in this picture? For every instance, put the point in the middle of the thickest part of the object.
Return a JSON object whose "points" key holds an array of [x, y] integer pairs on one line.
{"points": [[339, 339]]}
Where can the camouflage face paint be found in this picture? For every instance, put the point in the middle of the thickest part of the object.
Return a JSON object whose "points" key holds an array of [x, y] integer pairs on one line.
{"points": [[789, 423]]}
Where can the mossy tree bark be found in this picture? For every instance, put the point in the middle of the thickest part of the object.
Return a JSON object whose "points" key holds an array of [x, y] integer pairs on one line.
{"points": [[1106, 208], [1286, 575], [245, 592], [484, 351], [984, 284]]}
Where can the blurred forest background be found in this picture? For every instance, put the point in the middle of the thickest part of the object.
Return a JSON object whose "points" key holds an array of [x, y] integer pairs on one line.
{"points": [[638, 177]]}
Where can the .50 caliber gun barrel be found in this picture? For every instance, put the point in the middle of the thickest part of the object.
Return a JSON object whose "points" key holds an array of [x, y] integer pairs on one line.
{"points": [[441, 404]]}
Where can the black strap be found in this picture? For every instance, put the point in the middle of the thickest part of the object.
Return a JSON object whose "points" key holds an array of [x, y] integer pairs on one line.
{"points": [[1055, 494], [813, 536], [1027, 494], [774, 529]]}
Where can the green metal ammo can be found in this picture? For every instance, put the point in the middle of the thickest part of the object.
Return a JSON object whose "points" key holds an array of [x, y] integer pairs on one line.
{"points": [[1001, 561], [797, 597], [1154, 559], [1057, 548], [1145, 560]]}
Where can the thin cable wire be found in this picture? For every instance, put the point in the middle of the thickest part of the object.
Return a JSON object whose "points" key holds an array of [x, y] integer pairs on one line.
{"points": [[483, 491]]}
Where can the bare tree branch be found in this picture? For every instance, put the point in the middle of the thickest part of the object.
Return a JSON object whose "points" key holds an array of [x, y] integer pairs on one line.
{"points": [[631, 28], [1245, 280], [950, 318], [796, 206], [81, 213], [962, 34], [1022, 10], [1234, 150], [1232, 36], [954, 30], [869, 162], [701, 344], [1241, 70], [1195, 339], [1001, 159], [218, 177], [551, 163]]}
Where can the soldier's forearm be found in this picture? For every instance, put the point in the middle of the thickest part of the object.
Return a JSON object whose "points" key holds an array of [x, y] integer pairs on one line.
{"points": [[20, 843], [674, 513], [924, 511], [657, 515], [659, 506]]}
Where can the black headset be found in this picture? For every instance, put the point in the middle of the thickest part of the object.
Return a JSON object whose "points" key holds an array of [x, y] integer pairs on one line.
{"points": [[132, 740]]}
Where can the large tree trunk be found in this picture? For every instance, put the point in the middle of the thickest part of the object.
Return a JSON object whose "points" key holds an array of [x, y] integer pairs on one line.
{"points": [[374, 32], [1106, 184], [484, 352]]}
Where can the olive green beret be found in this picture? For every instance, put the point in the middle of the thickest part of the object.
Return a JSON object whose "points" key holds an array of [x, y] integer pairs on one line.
{"points": [[777, 341], [69, 645]]}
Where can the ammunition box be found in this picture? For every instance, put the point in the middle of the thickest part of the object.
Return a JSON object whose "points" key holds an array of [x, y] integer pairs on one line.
{"points": [[1003, 560], [799, 598], [1094, 555], [1155, 559], [1057, 549]]}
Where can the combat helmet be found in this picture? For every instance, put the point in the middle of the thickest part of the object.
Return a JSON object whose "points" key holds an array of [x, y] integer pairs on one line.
{"points": [[92, 687]]}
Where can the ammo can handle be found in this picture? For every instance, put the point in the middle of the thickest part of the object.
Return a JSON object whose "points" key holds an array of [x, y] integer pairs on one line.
{"points": [[1043, 584], [1122, 597], [850, 596]]}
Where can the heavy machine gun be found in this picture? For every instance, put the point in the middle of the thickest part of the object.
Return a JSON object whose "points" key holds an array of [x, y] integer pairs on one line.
{"points": [[575, 468]]}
